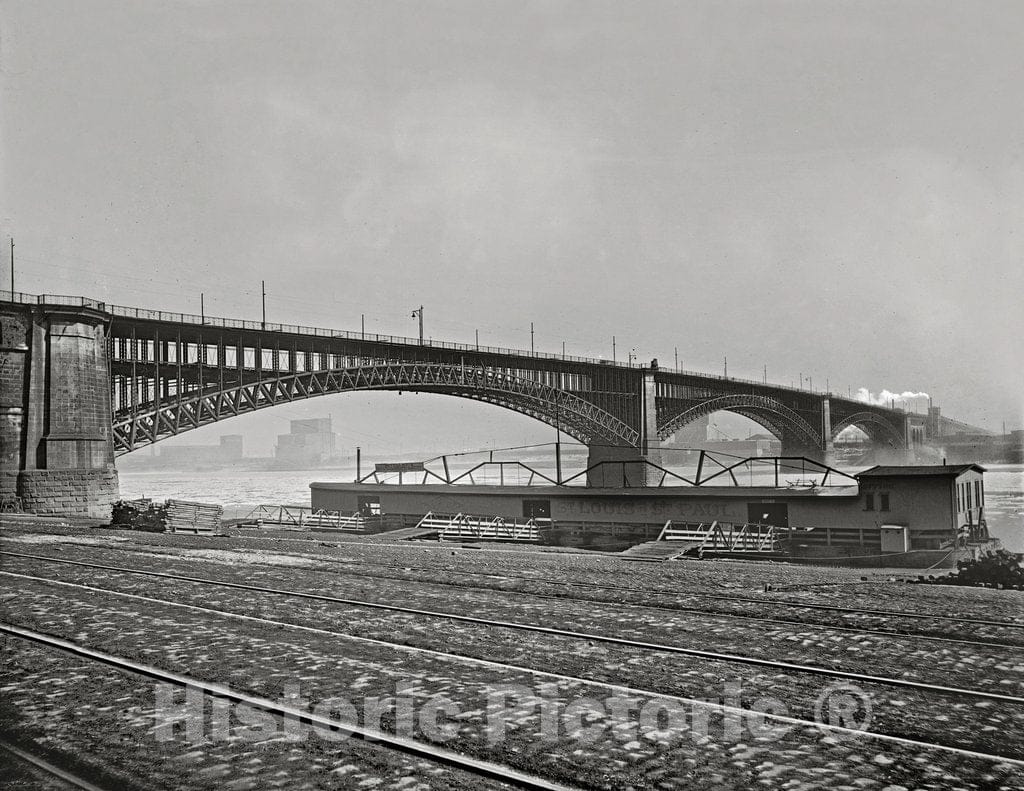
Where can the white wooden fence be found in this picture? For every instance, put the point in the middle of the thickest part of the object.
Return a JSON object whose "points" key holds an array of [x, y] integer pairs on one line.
{"points": [[481, 528], [726, 536]]}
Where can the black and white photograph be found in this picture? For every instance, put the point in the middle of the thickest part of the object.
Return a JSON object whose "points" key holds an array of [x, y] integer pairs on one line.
{"points": [[578, 395]]}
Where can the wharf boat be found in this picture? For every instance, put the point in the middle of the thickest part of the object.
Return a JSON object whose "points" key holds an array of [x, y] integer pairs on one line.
{"points": [[792, 509]]}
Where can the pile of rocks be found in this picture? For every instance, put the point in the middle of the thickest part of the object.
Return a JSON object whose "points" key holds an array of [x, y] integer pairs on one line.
{"points": [[999, 569], [139, 515]]}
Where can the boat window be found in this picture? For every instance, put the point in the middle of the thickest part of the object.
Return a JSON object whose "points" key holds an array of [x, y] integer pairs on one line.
{"points": [[883, 501], [869, 501], [370, 506], [536, 509]]}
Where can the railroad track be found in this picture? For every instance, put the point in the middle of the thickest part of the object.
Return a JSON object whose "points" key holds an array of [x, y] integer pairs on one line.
{"points": [[37, 764], [434, 753], [662, 607], [773, 602], [790, 667], [716, 597], [420, 749]]}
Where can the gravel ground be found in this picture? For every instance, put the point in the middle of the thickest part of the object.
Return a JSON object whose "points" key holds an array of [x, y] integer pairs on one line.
{"points": [[249, 658], [95, 721], [262, 659], [426, 564], [995, 669]]}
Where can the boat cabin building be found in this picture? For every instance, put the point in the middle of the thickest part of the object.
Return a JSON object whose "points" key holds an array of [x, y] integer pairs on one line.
{"points": [[882, 511]]}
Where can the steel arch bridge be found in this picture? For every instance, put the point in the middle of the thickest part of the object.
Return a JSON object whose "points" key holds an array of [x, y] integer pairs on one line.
{"points": [[876, 427], [171, 373], [774, 415], [147, 423], [82, 381]]}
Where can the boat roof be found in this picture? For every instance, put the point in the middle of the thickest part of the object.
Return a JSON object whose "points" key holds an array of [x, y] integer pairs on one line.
{"points": [[738, 492], [918, 471]]}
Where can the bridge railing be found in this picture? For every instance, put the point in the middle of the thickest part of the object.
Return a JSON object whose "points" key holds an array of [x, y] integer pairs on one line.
{"points": [[296, 329]]}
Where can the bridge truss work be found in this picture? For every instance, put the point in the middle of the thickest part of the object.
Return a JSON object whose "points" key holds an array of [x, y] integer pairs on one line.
{"points": [[171, 373], [85, 381]]}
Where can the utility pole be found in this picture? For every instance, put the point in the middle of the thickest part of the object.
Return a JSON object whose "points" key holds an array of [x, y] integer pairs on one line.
{"points": [[725, 363], [263, 286], [677, 357], [801, 380], [12, 267], [477, 340], [419, 312], [359, 459], [766, 374], [362, 325], [202, 309], [563, 350], [613, 348], [531, 337]]}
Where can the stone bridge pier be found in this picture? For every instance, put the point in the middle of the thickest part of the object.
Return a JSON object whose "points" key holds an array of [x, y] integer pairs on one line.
{"points": [[56, 448]]}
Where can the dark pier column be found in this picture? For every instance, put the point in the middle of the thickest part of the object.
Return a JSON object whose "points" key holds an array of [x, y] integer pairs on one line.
{"points": [[624, 464], [60, 425], [15, 330], [827, 445], [822, 450]]}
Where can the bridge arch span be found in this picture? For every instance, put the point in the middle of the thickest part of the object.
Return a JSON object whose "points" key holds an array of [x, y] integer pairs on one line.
{"points": [[768, 412], [875, 426], [134, 429]]}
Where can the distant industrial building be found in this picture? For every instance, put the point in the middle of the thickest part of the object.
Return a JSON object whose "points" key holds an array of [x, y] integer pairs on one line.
{"points": [[228, 451], [963, 447], [755, 445], [309, 442]]}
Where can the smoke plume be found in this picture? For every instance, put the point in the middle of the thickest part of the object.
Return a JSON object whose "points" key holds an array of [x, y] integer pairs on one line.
{"points": [[909, 400]]}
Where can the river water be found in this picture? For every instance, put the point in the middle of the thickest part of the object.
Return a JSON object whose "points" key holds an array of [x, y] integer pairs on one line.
{"points": [[239, 491]]}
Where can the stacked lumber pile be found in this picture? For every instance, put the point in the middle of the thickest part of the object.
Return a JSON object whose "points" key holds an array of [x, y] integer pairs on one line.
{"points": [[197, 518]]}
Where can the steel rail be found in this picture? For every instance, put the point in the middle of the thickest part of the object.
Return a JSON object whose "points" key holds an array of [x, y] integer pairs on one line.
{"points": [[574, 635], [670, 608], [710, 614], [724, 597], [448, 655], [49, 768], [664, 607], [747, 600], [433, 753]]}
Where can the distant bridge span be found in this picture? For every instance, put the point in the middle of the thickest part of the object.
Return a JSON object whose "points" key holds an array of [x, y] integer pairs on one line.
{"points": [[83, 381]]}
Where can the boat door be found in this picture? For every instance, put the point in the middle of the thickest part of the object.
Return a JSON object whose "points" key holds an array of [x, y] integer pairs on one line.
{"points": [[776, 514]]}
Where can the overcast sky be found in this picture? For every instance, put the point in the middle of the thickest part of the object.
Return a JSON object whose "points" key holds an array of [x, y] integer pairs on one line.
{"points": [[829, 189]]}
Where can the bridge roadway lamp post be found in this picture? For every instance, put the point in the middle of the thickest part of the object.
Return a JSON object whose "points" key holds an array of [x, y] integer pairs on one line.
{"points": [[419, 312]]}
